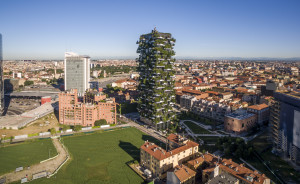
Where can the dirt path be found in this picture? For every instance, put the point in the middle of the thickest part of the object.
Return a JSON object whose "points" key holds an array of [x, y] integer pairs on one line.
{"points": [[50, 166]]}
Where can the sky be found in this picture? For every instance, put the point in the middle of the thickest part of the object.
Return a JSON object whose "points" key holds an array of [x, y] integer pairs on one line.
{"points": [[45, 29]]}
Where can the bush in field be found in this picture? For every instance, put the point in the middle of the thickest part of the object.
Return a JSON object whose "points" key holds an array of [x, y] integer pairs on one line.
{"points": [[77, 128], [100, 122]]}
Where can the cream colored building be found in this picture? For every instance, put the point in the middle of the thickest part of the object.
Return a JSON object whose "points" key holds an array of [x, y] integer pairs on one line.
{"points": [[158, 160]]}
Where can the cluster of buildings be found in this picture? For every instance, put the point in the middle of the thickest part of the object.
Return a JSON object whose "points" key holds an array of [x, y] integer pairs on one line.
{"points": [[93, 106], [79, 105], [182, 163]]}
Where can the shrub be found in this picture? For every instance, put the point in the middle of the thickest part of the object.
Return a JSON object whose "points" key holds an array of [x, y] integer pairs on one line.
{"points": [[77, 128], [100, 122]]}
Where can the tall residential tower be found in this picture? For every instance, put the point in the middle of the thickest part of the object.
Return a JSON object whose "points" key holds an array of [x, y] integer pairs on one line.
{"points": [[285, 124], [77, 72], [156, 81], [1, 78]]}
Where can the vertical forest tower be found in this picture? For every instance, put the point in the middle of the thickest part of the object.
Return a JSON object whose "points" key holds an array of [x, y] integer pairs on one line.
{"points": [[156, 81]]}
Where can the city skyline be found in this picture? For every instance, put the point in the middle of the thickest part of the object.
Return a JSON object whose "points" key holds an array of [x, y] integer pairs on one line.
{"points": [[108, 30]]}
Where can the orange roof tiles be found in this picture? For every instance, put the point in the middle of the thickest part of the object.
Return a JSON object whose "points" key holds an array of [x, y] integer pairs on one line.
{"points": [[184, 173], [242, 172], [258, 107], [160, 154]]}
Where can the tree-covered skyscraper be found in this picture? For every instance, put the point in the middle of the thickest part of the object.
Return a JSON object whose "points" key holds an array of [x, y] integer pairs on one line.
{"points": [[156, 81]]}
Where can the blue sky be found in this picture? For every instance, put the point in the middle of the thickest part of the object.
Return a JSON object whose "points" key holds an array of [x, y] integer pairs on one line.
{"points": [[45, 29]]}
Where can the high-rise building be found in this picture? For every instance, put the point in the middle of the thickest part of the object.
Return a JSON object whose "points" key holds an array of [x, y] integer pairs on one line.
{"points": [[156, 81], [285, 124], [77, 72], [1, 78]]}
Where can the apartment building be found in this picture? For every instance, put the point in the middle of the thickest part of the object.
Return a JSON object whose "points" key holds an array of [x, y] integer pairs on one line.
{"points": [[242, 173], [210, 109], [159, 160], [187, 101], [95, 106], [156, 81], [285, 124], [181, 174], [239, 122], [262, 112]]}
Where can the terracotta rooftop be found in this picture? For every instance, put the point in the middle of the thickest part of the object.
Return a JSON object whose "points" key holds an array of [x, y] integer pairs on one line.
{"points": [[242, 172], [160, 154], [184, 173], [207, 157], [258, 107]]}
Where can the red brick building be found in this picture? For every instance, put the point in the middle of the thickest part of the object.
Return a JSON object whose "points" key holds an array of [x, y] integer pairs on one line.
{"points": [[239, 123], [95, 106]]}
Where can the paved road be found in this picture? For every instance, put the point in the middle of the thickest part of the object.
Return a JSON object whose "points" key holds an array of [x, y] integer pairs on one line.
{"points": [[50, 165]]}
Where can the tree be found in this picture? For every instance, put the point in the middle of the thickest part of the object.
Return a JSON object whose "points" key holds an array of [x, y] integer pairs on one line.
{"points": [[28, 82], [52, 131], [77, 128], [65, 127], [100, 122]]}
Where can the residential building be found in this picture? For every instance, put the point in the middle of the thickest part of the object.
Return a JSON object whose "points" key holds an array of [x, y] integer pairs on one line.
{"points": [[239, 122], [125, 84], [239, 171], [223, 178], [211, 109], [203, 165], [159, 160], [181, 174], [77, 72], [262, 112], [1, 79], [156, 81], [186, 101], [285, 124], [95, 106]]}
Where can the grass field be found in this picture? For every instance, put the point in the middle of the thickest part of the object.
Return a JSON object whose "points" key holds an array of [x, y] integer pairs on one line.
{"points": [[209, 139], [25, 154], [196, 129], [101, 158]]}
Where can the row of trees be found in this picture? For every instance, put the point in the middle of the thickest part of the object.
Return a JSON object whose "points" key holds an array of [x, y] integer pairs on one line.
{"points": [[113, 69]]}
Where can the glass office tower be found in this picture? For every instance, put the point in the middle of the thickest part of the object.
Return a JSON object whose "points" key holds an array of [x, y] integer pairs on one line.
{"points": [[77, 72]]}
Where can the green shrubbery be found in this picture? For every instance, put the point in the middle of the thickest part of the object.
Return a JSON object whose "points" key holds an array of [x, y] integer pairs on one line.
{"points": [[100, 122]]}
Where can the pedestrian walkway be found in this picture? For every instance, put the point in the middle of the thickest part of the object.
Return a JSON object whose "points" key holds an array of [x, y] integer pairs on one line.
{"points": [[50, 166]]}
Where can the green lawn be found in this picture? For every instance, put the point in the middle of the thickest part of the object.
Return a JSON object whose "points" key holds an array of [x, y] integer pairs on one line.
{"points": [[101, 158], [196, 129], [25, 154], [209, 139]]}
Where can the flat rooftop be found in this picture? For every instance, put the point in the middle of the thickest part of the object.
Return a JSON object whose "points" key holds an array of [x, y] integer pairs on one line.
{"points": [[295, 94], [240, 116]]}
